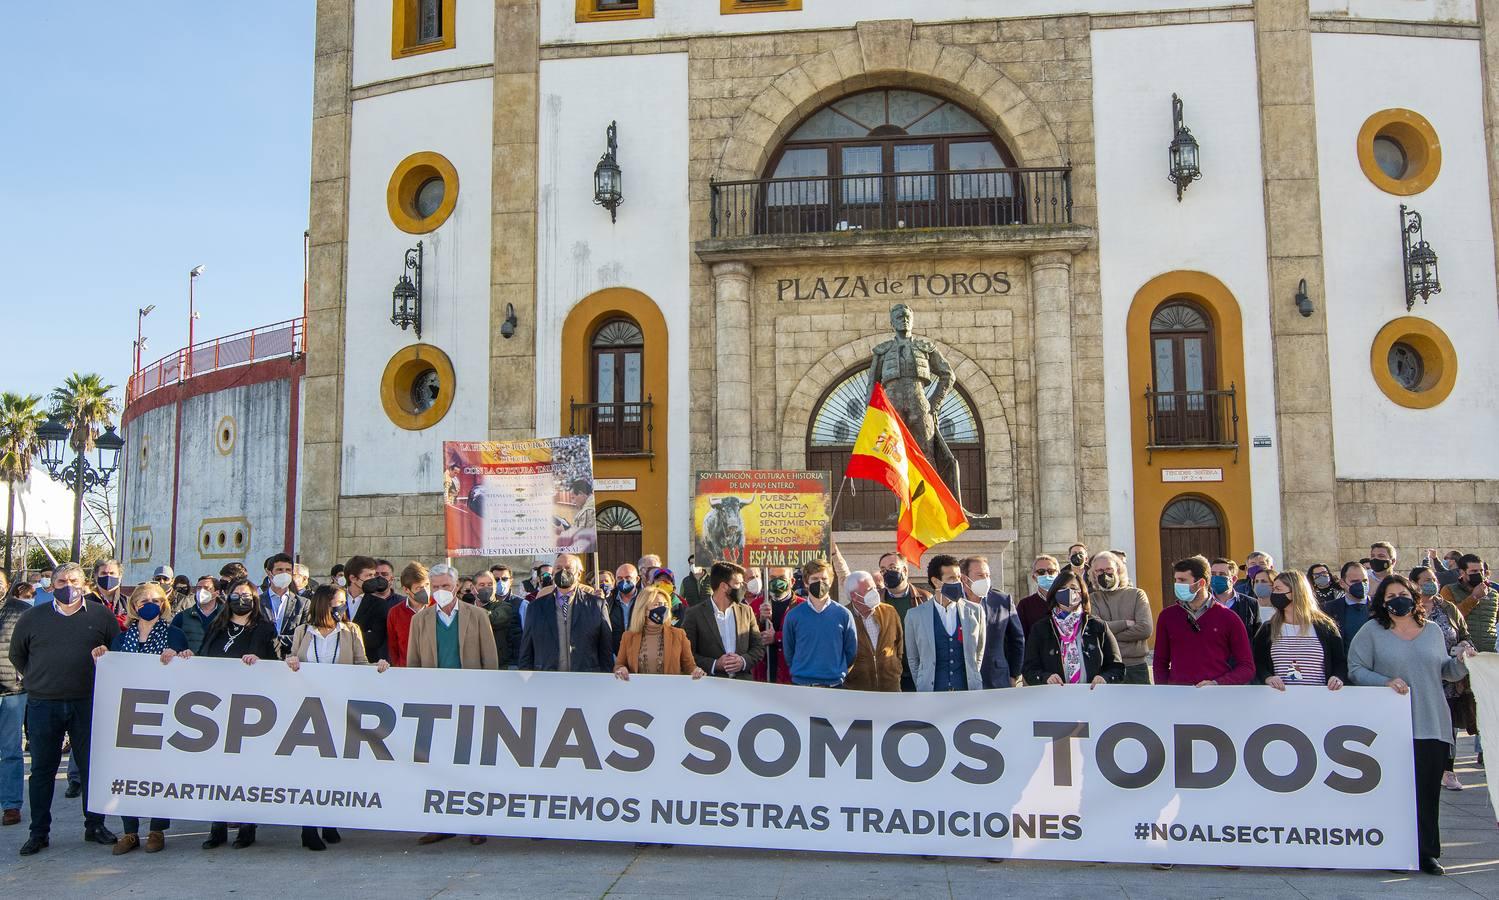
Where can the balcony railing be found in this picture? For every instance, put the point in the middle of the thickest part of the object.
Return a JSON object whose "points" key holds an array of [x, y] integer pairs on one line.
{"points": [[618, 429], [267, 342], [970, 198], [1176, 420]]}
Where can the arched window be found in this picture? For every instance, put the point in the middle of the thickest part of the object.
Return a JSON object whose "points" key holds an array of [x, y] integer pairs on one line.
{"points": [[1187, 408], [830, 442], [1189, 526], [619, 536], [618, 351], [890, 159]]}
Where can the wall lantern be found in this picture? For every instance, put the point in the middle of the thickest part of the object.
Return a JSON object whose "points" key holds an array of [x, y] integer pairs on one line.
{"points": [[1303, 302], [406, 299], [1184, 168], [1420, 260], [507, 328], [608, 181]]}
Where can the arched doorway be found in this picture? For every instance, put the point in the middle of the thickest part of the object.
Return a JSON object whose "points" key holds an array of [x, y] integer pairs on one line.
{"points": [[1190, 526], [830, 441], [619, 536]]}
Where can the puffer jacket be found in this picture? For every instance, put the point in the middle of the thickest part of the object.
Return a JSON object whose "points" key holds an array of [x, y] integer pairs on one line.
{"points": [[10, 614]]}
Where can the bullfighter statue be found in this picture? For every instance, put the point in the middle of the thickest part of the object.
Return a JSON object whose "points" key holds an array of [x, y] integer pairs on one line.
{"points": [[908, 367]]}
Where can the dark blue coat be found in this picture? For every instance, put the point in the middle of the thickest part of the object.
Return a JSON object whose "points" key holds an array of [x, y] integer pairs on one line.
{"points": [[1004, 647], [591, 635]]}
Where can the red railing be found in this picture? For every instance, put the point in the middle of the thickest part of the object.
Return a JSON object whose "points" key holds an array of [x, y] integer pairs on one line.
{"points": [[266, 342]]}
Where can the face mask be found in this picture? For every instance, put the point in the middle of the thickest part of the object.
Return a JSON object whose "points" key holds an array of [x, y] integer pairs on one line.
{"points": [[981, 586], [1106, 580], [697, 571], [1219, 584], [469, 597], [1379, 565], [753, 586], [657, 614], [341, 581], [1069, 599], [818, 589], [626, 585], [1185, 592], [108, 582], [340, 611], [736, 594], [443, 598], [1262, 590], [1252, 571], [63, 595], [376, 585], [779, 587], [204, 596], [1280, 601], [545, 579], [1429, 588], [565, 579], [486, 594], [871, 599], [892, 578], [281, 581], [1044, 582], [1357, 590], [1322, 580], [1400, 606], [1077, 559], [1474, 580], [504, 585], [148, 611], [952, 591], [240, 605]]}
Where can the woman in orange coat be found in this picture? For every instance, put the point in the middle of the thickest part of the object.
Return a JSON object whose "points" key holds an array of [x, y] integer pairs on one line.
{"points": [[652, 645]]}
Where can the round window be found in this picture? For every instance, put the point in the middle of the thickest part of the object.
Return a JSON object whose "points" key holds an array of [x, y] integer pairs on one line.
{"points": [[1390, 157], [429, 197], [1413, 362], [422, 193], [1406, 366], [418, 386], [425, 389], [1399, 152]]}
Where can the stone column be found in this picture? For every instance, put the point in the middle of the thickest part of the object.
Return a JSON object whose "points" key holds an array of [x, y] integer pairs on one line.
{"points": [[731, 302], [1293, 231], [1057, 470]]}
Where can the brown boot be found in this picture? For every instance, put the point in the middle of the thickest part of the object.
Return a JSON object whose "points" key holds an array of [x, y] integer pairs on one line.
{"points": [[125, 844], [155, 840], [10, 817]]}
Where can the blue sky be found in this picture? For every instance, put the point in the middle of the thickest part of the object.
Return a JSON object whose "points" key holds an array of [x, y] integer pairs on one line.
{"points": [[141, 140]]}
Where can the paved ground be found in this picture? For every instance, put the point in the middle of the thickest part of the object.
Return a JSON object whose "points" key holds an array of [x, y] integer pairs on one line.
{"points": [[390, 865]]}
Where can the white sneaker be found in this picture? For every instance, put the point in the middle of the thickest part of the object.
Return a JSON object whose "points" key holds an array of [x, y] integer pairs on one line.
{"points": [[1450, 782]]}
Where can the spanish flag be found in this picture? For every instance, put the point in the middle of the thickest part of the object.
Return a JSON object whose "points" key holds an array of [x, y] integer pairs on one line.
{"points": [[886, 452]]}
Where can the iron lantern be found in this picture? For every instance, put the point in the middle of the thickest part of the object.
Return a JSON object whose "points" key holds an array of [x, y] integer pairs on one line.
{"points": [[406, 298], [1420, 261], [1184, 157], [608, 180]]}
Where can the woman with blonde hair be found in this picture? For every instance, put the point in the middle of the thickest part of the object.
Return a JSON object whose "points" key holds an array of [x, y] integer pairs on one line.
{"points": [[1299, 644], [147, 632], [652, 645]]}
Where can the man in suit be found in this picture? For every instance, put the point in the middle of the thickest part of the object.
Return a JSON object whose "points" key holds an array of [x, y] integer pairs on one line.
{"points": [[366, 608], [1004, 642], [567, 626], [945, 639], [278, 585], [450, 635], [724, 634], [882, 643]]}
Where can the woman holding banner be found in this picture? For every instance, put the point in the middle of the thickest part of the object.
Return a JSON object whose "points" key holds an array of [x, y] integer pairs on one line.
{"points": [[1069, 646], [327, 638], [146, 632], [1408, 653], [1299, 644], [652, 645]]}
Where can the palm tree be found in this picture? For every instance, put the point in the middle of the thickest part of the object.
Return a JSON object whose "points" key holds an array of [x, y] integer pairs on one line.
{"points": [[84, 407], [20, 417]]}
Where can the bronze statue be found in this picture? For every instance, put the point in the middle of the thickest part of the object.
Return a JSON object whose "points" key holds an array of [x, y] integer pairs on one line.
{"points": [[907, 366]]}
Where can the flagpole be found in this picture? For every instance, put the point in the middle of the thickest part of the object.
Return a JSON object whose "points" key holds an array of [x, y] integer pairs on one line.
{"points": [[836, 497]]}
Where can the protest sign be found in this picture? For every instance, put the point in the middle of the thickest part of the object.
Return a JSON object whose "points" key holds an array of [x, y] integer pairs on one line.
{"points": [[1223, 775], [761, 518], [519, 498]]}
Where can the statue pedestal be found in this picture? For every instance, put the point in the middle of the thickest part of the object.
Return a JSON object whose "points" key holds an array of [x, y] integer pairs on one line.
{"points": [[863, 549]]}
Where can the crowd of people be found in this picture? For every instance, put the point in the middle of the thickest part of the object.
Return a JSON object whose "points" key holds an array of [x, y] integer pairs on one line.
{"points": [[819, 625]]}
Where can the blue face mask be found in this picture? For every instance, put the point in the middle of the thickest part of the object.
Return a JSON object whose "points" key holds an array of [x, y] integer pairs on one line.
{"points": [[952, 591], [148, 611], [625, 585], [1044, 582], [1357, 589], [1262, 590], [63, 595], [1219, 584], [108, 582], [1185, 592]]}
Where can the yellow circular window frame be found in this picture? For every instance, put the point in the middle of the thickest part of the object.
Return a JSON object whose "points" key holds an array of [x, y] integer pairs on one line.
{"points": [[1437, 357], [407, 180], [225, 435], [400, 376], [1423, 152]]}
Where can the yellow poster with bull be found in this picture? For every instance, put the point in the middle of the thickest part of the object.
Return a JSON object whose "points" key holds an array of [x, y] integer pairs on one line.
{"points": [[761, 518]]}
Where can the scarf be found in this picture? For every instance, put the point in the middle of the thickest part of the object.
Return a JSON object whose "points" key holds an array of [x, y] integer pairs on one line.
{"points": [[156, 644], [1069, 627], [1194, 616]]}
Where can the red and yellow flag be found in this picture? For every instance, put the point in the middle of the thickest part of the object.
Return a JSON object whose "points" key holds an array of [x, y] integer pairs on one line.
{"points": [[886, 452]]}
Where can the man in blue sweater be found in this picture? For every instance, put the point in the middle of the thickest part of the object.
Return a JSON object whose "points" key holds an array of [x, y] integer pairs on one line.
{"points": [[818, 637]]}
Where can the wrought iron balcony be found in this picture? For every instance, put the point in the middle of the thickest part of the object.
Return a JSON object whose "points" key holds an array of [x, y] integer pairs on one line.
{"points": [[1192, 420], [618, 429], [970, 198]]}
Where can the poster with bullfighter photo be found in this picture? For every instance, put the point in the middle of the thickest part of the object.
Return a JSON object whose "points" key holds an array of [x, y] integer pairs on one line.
{"points": [[519, 498], [761, 518]]}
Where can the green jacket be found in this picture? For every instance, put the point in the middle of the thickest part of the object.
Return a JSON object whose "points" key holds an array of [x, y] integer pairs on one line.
{"points": [[502, 622]]}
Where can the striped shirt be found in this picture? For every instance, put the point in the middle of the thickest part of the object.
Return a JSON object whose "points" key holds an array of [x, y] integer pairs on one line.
{"points": [[1298, 657]]}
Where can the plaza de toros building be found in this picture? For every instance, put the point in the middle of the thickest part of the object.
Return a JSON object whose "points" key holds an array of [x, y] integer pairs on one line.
{"points": [[1256, 358]]}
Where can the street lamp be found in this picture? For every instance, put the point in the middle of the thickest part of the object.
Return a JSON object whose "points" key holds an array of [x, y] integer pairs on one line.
{"points": [[56, 438], [192, 316], [406, 298], [1183, 152], [1420, 261], [608, 180], [140, 341]]}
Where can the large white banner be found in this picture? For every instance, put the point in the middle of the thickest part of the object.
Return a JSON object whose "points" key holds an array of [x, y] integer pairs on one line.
{"points": [[1222, 775]]}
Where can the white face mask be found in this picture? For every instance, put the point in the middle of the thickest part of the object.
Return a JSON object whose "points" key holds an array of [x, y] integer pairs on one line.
{"points": [[443, 598], [981, 586], [871, 598], [753, 586], [281, 580], [204, 596], [341, 581]]}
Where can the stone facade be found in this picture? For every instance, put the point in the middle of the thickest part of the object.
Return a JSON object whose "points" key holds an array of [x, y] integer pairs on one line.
{"points": [[1415, 515]]}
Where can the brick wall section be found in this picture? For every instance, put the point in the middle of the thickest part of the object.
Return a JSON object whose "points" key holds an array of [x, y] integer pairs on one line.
{"points": [[1415, 515]]}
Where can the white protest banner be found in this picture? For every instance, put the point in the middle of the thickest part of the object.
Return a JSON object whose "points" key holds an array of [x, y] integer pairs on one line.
{"points": [[1484, 670], [1221, 775]]}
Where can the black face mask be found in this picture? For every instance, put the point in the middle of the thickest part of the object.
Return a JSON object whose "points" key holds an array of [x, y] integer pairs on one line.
{"points": [[241, 605], [1357, 590], [1280, 601], [657, 614], [564, 579], [818, 589], [1379, 565], [1077, 559], [486, 594], [892, 578], [1474, 580], [468, 597], [736, 594], [1400, 606], [1106, 580], [375, 585], [545, 579]]}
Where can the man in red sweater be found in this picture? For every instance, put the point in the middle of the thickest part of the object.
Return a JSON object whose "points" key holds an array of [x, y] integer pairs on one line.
{"points": [[398, 621], [1198, 641]]}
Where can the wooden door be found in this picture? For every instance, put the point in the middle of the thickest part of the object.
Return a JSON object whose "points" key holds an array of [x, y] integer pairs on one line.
{"points": [[1189, 526]]}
